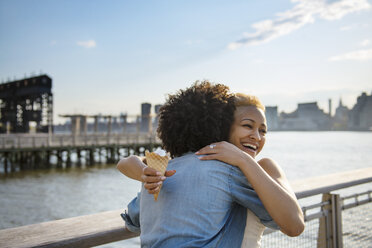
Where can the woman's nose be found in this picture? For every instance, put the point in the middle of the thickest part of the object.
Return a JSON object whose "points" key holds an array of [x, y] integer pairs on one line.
{"points": [[255, 135]]}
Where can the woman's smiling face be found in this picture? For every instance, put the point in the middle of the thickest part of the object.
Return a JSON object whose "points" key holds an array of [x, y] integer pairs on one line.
{"points": [[248, 129]]}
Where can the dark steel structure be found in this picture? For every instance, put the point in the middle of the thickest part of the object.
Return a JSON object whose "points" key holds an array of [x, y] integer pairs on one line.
{"points": [[26, 102]]}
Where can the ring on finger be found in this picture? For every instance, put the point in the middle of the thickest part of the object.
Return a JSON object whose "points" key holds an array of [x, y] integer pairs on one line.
{"points": [[212, 146]]}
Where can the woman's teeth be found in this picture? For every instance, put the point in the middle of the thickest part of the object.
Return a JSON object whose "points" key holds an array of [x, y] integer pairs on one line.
{"points": [[253, 147]]}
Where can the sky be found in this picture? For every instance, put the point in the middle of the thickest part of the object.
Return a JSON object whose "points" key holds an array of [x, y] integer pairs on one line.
{"points": [[110, 56]]}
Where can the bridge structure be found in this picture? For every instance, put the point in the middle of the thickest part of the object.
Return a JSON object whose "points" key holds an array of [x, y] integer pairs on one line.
{"points": [[44, 151], [79, 123], [83, 143]]}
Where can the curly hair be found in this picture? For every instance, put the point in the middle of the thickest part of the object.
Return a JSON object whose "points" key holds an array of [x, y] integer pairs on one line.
{"points": [[195, 117]]}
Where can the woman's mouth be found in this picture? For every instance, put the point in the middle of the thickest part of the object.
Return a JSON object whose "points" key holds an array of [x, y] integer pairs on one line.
{"points": [[250, 147]]}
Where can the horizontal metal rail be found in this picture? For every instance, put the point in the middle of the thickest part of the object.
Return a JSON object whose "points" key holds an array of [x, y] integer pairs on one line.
{"points": [[17, 141], [356, 201], [102, 228]]}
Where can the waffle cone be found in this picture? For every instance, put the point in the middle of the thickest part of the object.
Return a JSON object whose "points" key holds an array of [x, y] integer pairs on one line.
{"points": [[158, 163]]}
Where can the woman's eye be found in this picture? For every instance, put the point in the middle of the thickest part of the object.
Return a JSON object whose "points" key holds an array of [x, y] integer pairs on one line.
{"points": [[247, 125], [263, 131]]}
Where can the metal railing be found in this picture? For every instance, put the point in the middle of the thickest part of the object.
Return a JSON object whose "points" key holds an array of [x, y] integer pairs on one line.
{"points": [[61, 140], [337, 220], [334, 221]]}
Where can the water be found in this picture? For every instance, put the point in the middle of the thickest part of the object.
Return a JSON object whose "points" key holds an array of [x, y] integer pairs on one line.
{"points": [[308, 154], [38, 196]]}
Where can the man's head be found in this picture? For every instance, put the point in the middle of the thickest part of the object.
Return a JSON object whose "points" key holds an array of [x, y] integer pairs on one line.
{"points": [[196, 117]]}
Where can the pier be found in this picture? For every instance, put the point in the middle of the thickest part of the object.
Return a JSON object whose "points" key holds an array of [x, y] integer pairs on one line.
{"points": [[44, 151], [338, 220]]}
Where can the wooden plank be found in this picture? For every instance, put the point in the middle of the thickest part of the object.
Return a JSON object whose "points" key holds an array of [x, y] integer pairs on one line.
{"points": [[106, 227], [327, 183], [82, 231]]}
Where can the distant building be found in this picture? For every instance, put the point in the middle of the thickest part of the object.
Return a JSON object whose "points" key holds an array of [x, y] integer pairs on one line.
{"points": [[360, 116], [157, 108], [26, 105], [307, 117], [341, 118], [272, 118], [330, 107], [145, 117], [156, 122]]}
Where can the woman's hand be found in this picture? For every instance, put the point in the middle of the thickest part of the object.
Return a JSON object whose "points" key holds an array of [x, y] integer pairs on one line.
{"points": [[153, 179], [225, 152]]}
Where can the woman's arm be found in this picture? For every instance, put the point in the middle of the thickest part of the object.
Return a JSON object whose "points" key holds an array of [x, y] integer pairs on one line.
{"points": [[134, 167], [283, 203], [269, 182]]}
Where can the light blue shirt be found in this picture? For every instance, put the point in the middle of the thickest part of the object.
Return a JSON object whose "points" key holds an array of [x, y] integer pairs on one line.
{"points": [[202, 205]]}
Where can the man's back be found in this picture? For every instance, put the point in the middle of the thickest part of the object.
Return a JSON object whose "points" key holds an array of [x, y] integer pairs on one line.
{"points": [[200, 206]]}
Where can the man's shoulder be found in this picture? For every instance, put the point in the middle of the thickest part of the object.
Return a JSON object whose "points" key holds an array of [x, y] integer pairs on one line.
{"points": [[190, 159]]}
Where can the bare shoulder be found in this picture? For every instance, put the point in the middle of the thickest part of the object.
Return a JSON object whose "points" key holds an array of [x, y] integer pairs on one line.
{"points": [[271, 167]]}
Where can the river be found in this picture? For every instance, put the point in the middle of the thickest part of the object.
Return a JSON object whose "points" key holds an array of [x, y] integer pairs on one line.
{"points": [[36, 196]]}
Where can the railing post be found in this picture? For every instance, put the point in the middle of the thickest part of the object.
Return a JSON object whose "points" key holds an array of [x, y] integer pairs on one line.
{"points": [[337, 220], [330, 226], [322, 231]]}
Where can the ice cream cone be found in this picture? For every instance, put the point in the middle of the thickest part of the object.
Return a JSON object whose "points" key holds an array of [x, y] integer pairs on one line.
{"points": [[158, 163]]}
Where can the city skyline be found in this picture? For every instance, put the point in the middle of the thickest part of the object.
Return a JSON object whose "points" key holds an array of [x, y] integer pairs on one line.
{"points": [[108, 57], [325, 108], [306, 117]]}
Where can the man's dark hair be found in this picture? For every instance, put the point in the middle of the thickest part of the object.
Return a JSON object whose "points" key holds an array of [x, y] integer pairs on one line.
{"points": [[196, 117]]}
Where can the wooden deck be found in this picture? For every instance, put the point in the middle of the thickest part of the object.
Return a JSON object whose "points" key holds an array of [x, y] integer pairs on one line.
{"points": [[106, 227]]}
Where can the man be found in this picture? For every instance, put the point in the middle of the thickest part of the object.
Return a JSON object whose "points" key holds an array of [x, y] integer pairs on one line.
{"points": [[204, 203]]}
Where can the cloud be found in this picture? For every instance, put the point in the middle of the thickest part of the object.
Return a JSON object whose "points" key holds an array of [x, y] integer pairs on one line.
{"points": [[365, 43], [258, 61], [304, 12], [361, 55], [87, 44], [345, 28]]}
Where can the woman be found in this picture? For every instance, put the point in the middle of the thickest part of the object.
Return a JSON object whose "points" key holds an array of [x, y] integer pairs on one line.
{"points": [[246, 140]]}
